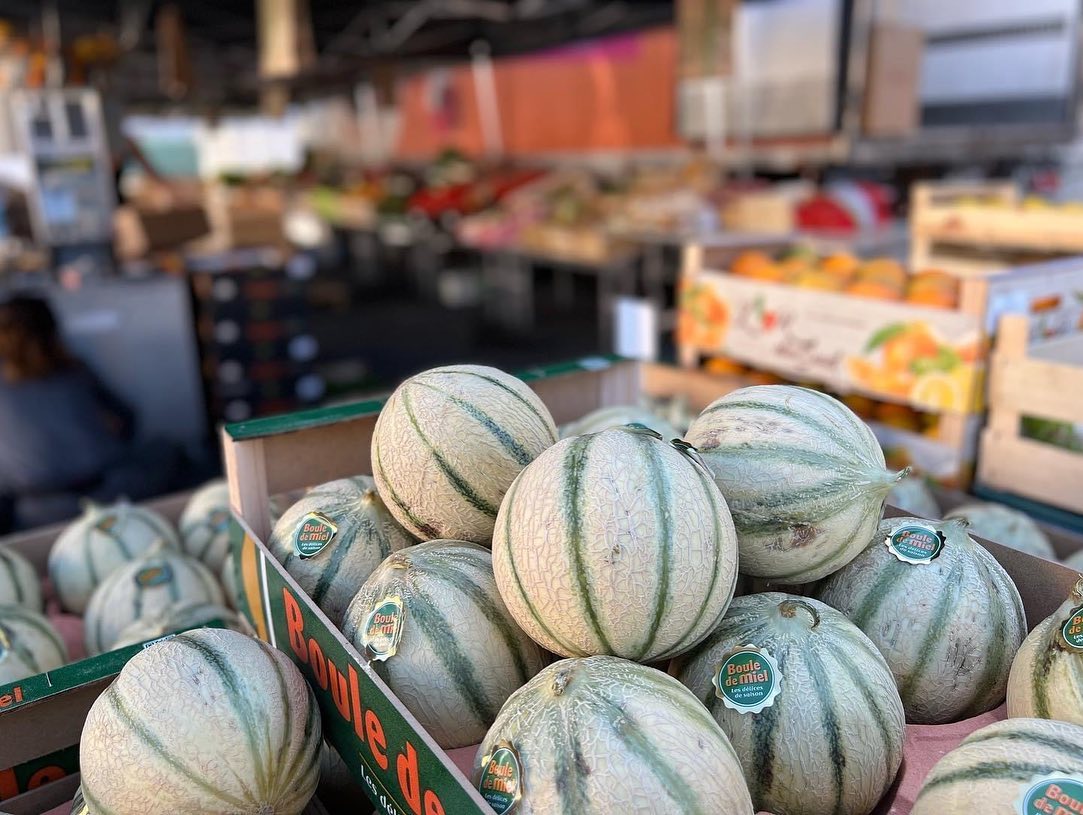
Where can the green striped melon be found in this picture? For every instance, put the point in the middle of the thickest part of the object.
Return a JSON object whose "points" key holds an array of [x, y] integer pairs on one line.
{"points": [[602, 735], [209, 721], [913, 496], [994, 766], [102, 540], [143, 588], [366, 534], [460, 654], [1006, 526], [1046, 680], [179, 617], [204, 524], [831, 742], [29, 645], [607, 417], [19, 581], [615, 543], [228, 578], [448, 444], [948, 628], [803, 476]]}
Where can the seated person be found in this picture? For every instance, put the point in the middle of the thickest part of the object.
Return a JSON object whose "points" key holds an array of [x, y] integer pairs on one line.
{"points": [[63, 435]]}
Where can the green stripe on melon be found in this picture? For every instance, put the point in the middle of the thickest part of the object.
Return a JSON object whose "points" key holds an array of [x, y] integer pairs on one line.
{"points": [[993, 767], [615, 543], [101, 541], [461, 654], [831, 743], [803, 477], [29, 644], [126, 596], [19, 582], [208, 721], [601, 735], [948, 628], [204, 524], [367, 533], [1046, 679], [449, 442]]}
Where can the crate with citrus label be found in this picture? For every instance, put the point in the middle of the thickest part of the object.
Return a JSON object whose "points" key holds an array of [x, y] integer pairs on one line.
{"points": [[862, 326]]}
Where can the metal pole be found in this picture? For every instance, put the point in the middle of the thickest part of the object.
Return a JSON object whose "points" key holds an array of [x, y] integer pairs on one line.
{"points": [[488, 104]]}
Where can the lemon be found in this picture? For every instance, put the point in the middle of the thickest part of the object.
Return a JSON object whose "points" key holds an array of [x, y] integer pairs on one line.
{"points": [[939, 390]]}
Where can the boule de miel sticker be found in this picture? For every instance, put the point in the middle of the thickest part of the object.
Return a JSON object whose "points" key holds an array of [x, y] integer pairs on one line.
{"points": [[157, 574], [501, 780], [1051, 794], [313, 534], [915, 543], [1072, 630], [383, 629], [748, 680]]}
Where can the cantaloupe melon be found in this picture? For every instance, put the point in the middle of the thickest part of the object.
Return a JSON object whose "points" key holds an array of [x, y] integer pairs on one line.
{"points": [[228, 578], [179, 617], [29, 644], [209, 721], [615, 543], [457, 653], [102, 540], [1046, 680], [999, 767], [1006, 526], [600, 736], [19, 582], [948, 628], [803, 476], [913, 496], [811, 706], [204, 524], [448, 444], [333, 538], [607, 417], [161, 578]]}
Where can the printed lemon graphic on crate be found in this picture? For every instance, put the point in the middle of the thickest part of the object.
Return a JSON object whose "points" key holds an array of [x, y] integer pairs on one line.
{"points": [[912, 361], [703, 318]]}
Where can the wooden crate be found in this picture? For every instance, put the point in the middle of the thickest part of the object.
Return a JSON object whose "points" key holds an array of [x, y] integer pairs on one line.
{"points": [[1043, 380], [950, 232], [282, 454]]}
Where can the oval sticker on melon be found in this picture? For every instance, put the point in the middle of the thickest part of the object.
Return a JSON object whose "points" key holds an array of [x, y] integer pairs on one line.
{"points": [[916, 544], [156, 575], [1072, 630], [501, 782], [1053, 794], [748, 680], [313, 534], [383, 629]]}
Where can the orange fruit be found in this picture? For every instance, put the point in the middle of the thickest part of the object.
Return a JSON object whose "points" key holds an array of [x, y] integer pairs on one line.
{"points": [[932, 297], [875, 289], [748, 262], [841, 265], [933, 278], [813, 279], [724, 366], [883, 270]]}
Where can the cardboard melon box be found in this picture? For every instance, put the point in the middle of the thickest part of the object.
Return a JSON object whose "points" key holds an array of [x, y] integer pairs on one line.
{"points": [[397, 762]]}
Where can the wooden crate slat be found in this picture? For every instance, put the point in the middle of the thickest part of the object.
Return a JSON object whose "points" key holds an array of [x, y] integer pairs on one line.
{"points": [[1033, 469], [1030, 387]]}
